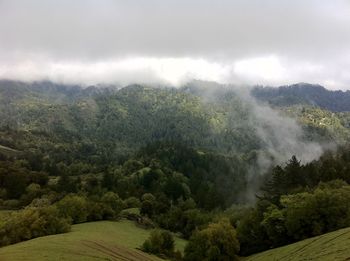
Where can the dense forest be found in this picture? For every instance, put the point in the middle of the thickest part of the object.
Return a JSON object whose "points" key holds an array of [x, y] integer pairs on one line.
{"points": [[204, 160], [307, 94]]}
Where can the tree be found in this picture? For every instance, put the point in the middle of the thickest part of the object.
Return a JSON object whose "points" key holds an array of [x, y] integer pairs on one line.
{"points": [[217, 242], [147, 204], [132, 202], [111, 200], [15, 183], [74, 207], [32, 222], [274, 224], [160, 243], [325, 209], [251, 234], [66, 184]]}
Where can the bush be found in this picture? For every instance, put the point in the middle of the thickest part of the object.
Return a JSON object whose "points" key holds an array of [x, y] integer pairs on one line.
{"points": [[74, 207], [32, 222], [217, 242], [32, 191], [132, 202], [11, 203], [96, 211], [160, 243], [148, 205], [113, 203]]}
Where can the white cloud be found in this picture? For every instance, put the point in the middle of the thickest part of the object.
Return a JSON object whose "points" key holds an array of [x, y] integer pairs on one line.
{"points": [[269, 70], [243, 41], [173, 71], [265, 70]]}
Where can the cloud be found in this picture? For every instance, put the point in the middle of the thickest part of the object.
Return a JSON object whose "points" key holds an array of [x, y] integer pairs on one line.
{"points": [[269, 42], [270, 70]]}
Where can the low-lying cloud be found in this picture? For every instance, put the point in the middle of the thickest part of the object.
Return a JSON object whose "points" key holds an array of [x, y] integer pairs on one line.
{"points": [[270, 42], [269, 70]]}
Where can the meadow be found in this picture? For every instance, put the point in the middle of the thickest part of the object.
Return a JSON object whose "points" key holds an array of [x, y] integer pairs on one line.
{"points": [[104, 240]]}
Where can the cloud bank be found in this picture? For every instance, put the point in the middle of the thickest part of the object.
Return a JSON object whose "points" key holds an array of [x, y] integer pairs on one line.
{"points": [[270, 42]]}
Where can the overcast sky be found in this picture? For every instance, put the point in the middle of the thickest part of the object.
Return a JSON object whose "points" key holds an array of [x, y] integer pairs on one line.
{"points": [[243, 42]]}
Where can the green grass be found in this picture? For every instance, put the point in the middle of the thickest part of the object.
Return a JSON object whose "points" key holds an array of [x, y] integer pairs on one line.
{"points": [[330, 246], [104, 240]]}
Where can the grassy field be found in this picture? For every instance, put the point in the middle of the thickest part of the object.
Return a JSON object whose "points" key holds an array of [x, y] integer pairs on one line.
{"points": [[331, 246], [104, 240]]}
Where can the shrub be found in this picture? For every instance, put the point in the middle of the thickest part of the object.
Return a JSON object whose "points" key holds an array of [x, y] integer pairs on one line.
{"points": [[111, 200], [74, 207], [32, 222], [11, 203], [217, 242], [148, 205], [132, 202], [160, 243]]}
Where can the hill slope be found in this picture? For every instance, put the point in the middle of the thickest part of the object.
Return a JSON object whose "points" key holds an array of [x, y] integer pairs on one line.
{"points": [[303, 93], [89, 241], [110, 123], [330, 246]]}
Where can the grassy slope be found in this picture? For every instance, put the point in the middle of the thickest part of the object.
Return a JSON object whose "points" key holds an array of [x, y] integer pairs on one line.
{"points": [[104, 240], [330, 246]]}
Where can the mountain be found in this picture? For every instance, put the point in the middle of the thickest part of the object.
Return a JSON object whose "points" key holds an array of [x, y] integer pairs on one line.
{"points": [[303, 93], [110, 123], [125, 119]]}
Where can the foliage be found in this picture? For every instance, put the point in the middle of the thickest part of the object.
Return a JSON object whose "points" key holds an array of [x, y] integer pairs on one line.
{"points": [[304, 93], [217, 242], [160, 243], [311, 214], [31, 223], [74, 207]]}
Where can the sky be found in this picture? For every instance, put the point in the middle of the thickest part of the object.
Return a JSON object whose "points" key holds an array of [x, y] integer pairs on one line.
{"points": [[248, 42]]}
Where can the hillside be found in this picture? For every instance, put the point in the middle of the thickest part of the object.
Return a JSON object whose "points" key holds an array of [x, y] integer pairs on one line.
{"points": [[111, 123], [330, 246], [306, 94], [77, 131], [89, 241], [182, 156], [123, 120]]}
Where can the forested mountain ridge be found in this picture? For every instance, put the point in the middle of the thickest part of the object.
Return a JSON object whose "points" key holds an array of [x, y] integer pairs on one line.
{"points": [[115, 122], [127, 118], [303, 93]]}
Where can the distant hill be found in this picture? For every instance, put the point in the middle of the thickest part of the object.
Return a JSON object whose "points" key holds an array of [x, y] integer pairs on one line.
{"points": [[303, 93], [122, 120], [106, 123], [327, 247]]}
